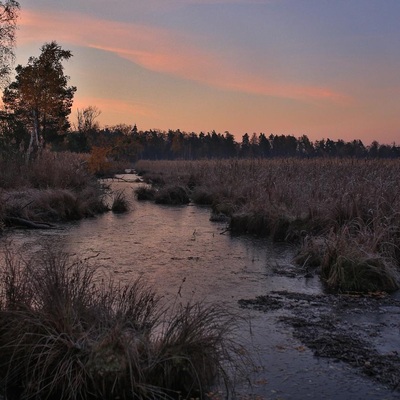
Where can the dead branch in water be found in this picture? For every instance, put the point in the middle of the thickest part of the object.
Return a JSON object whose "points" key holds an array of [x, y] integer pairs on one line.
{"points": [[25, 223]]}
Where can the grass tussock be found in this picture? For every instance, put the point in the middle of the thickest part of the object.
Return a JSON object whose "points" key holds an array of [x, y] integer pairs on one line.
{"points": [[144, 193], [172, 195], [351, 263], [202, 196], [65, 335], [294, 199], [351, 259], [120, 204]]}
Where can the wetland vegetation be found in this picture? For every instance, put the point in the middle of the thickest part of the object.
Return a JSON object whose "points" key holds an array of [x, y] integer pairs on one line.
{"points": [[66, 335], [344, 214], [54, 187]]}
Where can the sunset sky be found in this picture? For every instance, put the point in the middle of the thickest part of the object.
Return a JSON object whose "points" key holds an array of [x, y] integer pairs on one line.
{"points": [[325, 68]]}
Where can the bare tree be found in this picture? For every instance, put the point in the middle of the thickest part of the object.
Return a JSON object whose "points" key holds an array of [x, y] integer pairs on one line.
{"points": [[87, 117], [9, 11]]}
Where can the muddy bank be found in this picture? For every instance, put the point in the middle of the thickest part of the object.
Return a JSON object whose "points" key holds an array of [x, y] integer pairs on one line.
{"points": [[362, 331]]}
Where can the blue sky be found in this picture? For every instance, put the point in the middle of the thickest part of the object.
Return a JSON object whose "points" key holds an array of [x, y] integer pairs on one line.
{"points": [[316, 67]]}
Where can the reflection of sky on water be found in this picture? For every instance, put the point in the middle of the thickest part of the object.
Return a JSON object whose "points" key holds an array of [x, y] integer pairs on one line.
{"points": [[169, 245], [177, 249]]}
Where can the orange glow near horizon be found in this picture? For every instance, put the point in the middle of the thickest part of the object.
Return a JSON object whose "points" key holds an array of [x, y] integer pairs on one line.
{"points": [[184, 85]]}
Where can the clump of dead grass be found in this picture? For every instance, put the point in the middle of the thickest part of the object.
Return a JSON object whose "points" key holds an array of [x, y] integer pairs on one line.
{"points": [[145, 192], [64, 334], [350, 260], [120, 203], [172, 195], [202, 196]]}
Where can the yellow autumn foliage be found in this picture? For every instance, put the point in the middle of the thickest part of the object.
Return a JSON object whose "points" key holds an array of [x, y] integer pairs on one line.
{"points": [[98, 162]]}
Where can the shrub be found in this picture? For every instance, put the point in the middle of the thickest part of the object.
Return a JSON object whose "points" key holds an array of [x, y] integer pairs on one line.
{"points": [[65, 335], [11, 174], [50, 170], [98, 162]]}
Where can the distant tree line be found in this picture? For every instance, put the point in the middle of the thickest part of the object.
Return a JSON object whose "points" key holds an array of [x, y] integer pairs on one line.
{"points": [[129, 143], [38, 103]]}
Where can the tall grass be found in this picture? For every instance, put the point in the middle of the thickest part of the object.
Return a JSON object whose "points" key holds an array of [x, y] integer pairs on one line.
{"points": [[53, 187], [50, 170], [295, 199], [66, 335], [120, 204]]}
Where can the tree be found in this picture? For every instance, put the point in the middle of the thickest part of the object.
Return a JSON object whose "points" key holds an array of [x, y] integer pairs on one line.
{"points": [[87, 119], [254, 145], [8, 19], [81, 138], [304, 146], [264, 145], [230, 145], [40, 97], [245, 146]]}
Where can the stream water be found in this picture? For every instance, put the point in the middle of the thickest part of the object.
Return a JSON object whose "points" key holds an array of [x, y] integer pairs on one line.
{"points": [[178, 250]]}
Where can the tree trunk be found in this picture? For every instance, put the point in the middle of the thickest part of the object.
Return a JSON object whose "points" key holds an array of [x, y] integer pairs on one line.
{"points": [[34, 143]]}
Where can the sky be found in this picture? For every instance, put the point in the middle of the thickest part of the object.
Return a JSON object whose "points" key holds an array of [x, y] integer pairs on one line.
{"points": [[324, 68]]}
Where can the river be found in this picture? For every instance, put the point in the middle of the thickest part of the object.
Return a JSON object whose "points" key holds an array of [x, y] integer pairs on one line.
{"points": [[187, 257]]}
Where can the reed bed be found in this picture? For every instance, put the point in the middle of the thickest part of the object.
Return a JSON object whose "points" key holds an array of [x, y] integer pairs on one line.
{"points": [[302, 199], [53, 187], [65, 334]]}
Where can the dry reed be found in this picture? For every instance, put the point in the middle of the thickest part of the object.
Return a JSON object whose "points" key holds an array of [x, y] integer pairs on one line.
{"points": [[291, 199], [120, 204], [64, 335], [53, 187]]}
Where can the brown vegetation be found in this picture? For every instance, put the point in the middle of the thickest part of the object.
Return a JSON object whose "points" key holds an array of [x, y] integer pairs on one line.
{"points": [[53, 187], [165, 194], [145, 193], [120, 204], [172, 195], [349, 208], [64, 335]]}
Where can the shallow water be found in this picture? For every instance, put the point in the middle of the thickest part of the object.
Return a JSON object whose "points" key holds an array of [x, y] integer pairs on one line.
{"points": [[187, 257]]}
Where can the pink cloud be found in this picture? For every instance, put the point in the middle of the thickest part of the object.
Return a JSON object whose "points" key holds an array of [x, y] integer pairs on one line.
{"points": [[160, 50]]}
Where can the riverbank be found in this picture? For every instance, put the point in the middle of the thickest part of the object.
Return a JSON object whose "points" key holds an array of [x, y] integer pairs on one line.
{"points": [[55, 187], [185, 256], [343, 214]]}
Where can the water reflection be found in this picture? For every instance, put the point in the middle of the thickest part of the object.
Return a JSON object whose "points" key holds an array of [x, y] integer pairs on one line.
{"points": [[178, 249], [169, 245]]}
